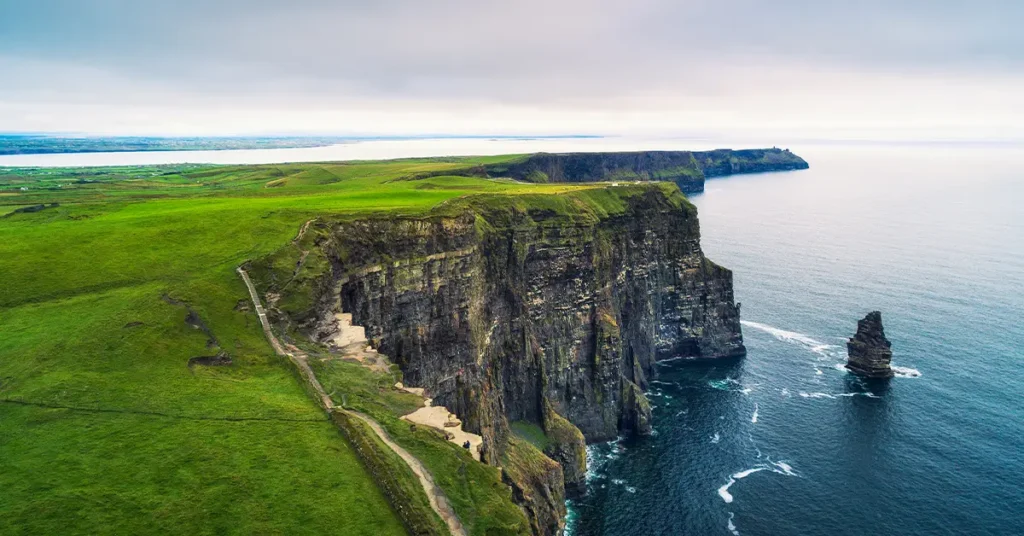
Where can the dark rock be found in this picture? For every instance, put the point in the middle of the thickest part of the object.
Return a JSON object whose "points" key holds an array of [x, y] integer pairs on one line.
{"points": [[869, 351], [31, 209], [219, 360]]}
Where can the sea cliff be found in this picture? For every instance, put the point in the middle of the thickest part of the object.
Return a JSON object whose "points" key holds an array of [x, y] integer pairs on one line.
{"points": [[688, 169], [551, 310]]}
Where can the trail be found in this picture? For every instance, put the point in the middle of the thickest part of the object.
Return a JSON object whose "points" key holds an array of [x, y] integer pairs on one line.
{"points": [[438, 501]]}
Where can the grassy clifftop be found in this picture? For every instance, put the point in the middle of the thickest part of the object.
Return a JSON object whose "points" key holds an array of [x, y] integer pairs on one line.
{"points": [[110, 417]]}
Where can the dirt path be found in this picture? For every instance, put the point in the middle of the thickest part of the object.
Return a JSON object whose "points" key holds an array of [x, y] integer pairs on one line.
{"points": [[438, 501]]}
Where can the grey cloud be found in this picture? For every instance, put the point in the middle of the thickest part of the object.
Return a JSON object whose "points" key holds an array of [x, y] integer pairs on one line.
{"points": [[501, 50]]}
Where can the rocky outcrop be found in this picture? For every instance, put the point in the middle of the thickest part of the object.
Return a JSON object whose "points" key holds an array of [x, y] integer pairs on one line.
{"points": [[869, 351], [567, 446], [685, 168], [549, 311]]}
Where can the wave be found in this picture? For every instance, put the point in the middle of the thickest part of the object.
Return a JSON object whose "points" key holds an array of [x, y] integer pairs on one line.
{"points": [[723, 491], [784, 469], [731, 527], [906, 372], [837, 395], [753, 418], [729, 384], [716, 438], [822, 349], [781, 468]]}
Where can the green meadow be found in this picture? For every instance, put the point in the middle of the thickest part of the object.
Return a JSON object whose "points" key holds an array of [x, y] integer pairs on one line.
{"points": [[106, 428]]}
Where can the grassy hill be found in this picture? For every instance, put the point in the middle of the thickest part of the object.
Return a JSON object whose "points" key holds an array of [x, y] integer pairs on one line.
{"points": [[106, 426]]}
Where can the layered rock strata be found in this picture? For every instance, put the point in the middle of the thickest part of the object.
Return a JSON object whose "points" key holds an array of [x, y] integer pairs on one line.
{"points": [[507, 311], [869, 351]]}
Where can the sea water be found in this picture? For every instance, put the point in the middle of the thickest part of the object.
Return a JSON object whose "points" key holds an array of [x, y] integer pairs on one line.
{"points": [[786, 441]]}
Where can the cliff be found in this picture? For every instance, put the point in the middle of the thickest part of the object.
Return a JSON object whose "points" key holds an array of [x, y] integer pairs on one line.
{"points": [[685, 168], [869, 351], [546, 309]]}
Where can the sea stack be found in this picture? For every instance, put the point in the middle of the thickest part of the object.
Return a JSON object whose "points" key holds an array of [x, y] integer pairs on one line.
{"points": [[869, 351]]}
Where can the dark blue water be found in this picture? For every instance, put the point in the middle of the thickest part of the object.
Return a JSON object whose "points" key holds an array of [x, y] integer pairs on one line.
{"points": [[787, 443]]}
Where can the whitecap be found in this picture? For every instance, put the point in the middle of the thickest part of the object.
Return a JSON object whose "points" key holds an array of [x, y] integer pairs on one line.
{"points": [[745, 390], [753, 418], [681, 412], [818, 371], [716, 438], [906, 372], [784, 392], [815, 395], [618, 481], [631, 489], [841, 367]]}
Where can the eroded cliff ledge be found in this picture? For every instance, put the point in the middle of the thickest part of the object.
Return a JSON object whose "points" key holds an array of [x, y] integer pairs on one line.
{"points": [[546, 309]]}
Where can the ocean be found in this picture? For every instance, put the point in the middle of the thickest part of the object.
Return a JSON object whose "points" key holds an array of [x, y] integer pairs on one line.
{"points": [[786, 441]]}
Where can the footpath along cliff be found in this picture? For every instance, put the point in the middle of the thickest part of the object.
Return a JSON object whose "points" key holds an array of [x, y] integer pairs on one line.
{"points": [[548, 310]]}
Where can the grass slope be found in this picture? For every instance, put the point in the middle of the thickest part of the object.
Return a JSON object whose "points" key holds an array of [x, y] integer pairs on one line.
{"points": [[104, 426]]}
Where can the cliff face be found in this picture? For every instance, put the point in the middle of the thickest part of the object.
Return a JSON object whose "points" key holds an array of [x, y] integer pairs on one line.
{"points": [[721, 162], [685, 168], [508, 312]]}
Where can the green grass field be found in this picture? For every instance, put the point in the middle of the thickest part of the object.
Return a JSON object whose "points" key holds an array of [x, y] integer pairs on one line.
{"points": [[104, 426]]}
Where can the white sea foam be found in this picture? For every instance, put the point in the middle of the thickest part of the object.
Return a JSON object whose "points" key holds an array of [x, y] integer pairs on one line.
{"points": [[681, 412], [618, 481], [841, 367], [824, 350], [784, 392], [631, 489], [827, 395], [906, 372], [818, 371], [731, 527], [729, 384], [753, 418], [716, 438], [784, 469], [723, 491]]}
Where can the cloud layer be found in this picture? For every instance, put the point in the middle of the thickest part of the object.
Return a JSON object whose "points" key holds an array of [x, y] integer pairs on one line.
{"points": [[401, 66]]}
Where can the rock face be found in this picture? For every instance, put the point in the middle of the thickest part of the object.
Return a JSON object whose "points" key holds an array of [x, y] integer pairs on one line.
{"points": [[869, 351], [511, 312], [687, 169]]}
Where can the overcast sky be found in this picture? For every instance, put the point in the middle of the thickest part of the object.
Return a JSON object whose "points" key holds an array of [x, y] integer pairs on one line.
{"points": [[864, 68]]}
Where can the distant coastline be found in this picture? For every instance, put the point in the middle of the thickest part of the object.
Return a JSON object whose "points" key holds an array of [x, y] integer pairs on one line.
{"points": [[27, 144]]}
